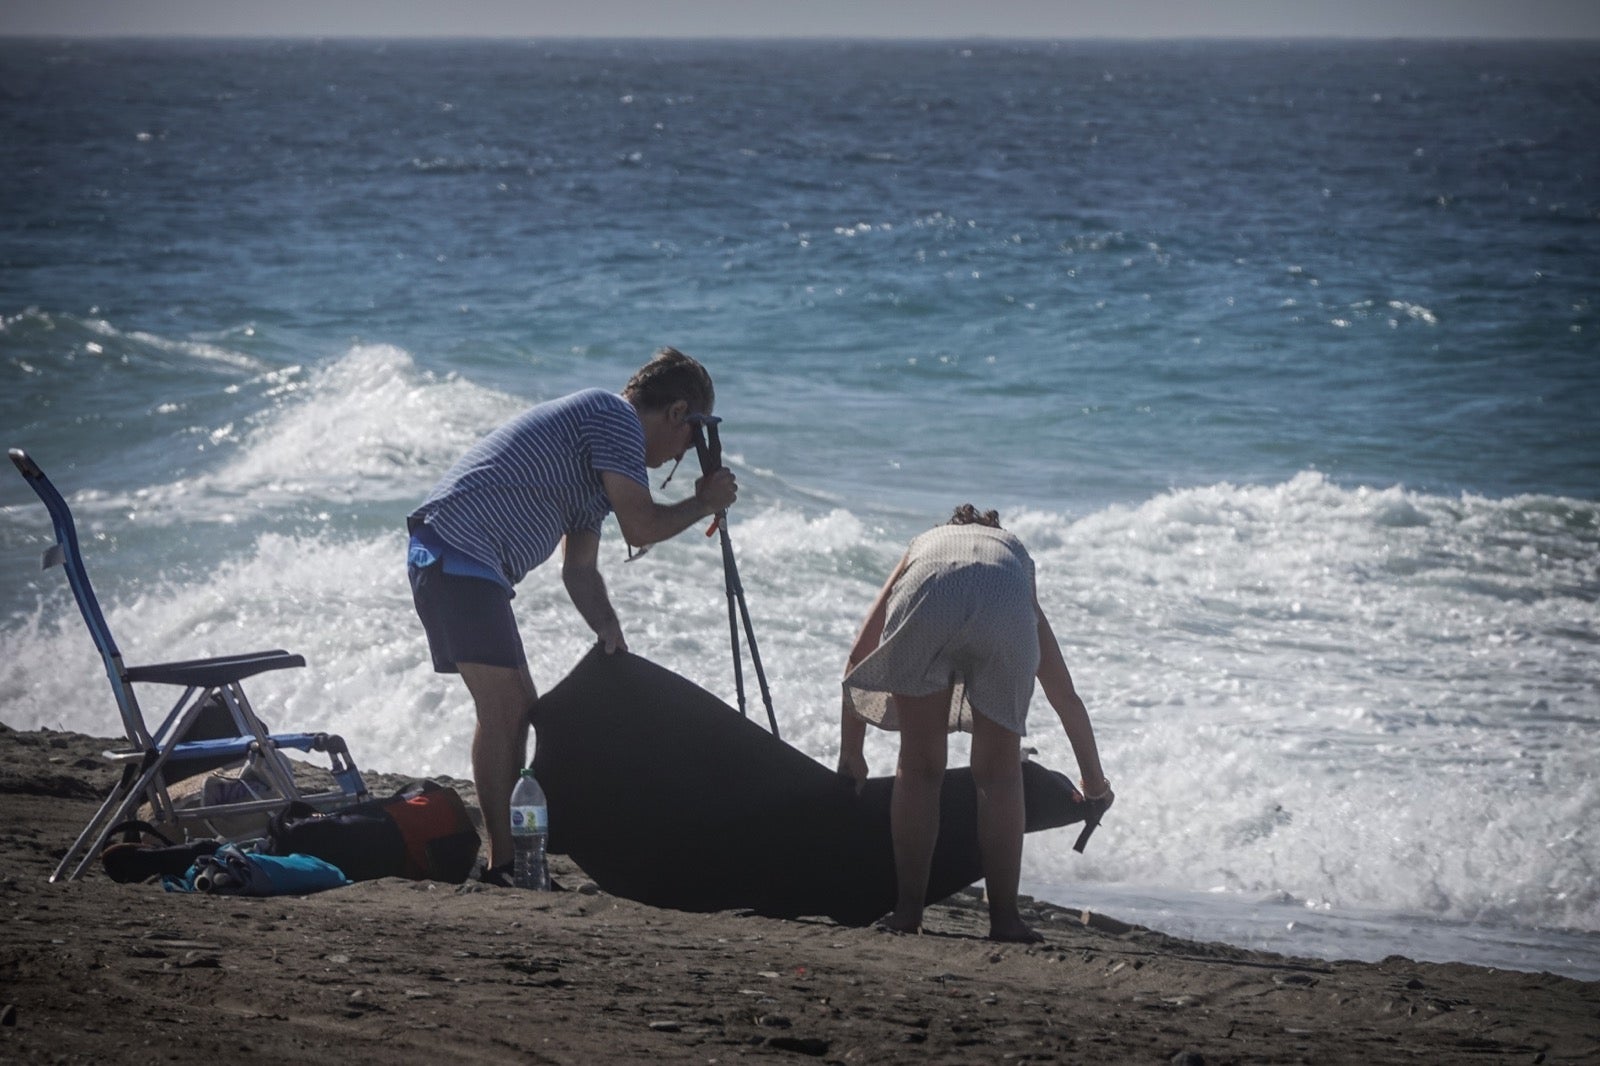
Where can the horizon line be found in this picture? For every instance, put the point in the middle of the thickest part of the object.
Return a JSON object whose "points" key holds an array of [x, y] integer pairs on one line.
{"points": [[274, 35]]}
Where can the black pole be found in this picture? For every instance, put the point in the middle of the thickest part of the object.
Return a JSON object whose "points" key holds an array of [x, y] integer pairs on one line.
{"points": [[708, 446], [732, 571], [730, 585]]}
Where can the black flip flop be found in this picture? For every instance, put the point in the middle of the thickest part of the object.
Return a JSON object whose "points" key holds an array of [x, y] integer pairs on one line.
{"points": [[131, 859]]}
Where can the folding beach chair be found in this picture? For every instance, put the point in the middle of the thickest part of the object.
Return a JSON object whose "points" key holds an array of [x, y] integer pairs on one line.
{"points": [[211, 724]]}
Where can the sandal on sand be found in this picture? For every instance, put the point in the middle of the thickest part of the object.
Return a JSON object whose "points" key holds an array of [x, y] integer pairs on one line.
{"points": [[498, 876]]}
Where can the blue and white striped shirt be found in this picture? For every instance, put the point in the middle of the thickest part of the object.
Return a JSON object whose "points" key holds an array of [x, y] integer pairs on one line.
{"points": [[507, 503]]}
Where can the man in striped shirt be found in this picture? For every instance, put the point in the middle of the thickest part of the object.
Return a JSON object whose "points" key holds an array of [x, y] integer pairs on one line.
{"points": [[547, 477]]}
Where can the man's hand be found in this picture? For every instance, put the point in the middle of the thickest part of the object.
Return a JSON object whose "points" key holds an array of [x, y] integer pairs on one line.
{"points": [[717, 490], [588, 589], [611, 637]]}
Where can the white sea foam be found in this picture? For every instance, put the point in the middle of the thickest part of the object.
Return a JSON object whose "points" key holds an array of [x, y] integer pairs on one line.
{"points": [[368, 427], [1345, 695]]}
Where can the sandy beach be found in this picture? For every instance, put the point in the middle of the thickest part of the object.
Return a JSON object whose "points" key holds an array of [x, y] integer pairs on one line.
{"points": [[398, 971]]}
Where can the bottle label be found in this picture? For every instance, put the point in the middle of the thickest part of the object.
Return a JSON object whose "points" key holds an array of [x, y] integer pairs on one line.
{"points": [[530, 820]]}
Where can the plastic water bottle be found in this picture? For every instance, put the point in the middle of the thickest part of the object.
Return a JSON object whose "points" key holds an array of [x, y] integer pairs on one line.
{"points": [[530, 828]]}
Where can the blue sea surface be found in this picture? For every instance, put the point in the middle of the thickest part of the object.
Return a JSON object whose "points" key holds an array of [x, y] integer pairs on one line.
{"points": [[1282, 357]]}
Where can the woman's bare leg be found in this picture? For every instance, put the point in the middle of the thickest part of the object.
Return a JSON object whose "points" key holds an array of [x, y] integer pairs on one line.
{"points": [[997, 772], [914, 805]]}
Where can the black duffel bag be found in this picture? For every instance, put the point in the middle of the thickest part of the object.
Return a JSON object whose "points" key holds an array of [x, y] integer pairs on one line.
{"points": [[423, 832]]}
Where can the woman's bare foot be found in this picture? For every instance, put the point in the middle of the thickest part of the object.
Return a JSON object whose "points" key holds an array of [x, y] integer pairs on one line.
{"points": [[1016, 932]]}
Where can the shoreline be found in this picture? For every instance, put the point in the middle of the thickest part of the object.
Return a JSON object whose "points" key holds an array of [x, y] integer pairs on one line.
{"points": [[1336, 934], [399, 970]]}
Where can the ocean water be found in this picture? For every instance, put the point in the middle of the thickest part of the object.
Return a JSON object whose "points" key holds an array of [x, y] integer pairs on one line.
{"points": [[1283, 358]]}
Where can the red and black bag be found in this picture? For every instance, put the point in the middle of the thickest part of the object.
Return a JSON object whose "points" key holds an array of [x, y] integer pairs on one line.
{"points": [[422, 832]]}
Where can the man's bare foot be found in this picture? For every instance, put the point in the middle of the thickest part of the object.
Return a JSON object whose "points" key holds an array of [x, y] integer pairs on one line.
{"points": [[896, 923]]}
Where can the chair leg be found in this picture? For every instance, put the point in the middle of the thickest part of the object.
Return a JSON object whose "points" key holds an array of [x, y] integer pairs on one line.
{"points": [[122, 801], [93, 823]]}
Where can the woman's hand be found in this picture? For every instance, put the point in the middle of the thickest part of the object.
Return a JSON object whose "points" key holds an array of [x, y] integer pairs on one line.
{"points": [[1101, 793], [853, 767]]}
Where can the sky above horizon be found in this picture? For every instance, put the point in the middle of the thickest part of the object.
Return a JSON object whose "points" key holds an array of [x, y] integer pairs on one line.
{"points": [[815, 18]]}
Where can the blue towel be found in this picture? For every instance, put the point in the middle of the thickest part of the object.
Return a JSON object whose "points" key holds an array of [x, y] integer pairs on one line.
{"points": [[231, 871]]}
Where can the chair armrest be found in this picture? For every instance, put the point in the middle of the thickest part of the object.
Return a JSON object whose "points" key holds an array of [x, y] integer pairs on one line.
{"points": [[207, 673], [238, 747]]}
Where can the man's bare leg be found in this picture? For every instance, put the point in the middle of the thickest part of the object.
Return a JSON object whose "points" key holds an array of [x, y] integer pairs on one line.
{"points": [[503, 697]]}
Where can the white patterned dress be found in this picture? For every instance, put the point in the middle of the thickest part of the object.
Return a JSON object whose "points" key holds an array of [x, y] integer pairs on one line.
{"points": [[961, 613]]}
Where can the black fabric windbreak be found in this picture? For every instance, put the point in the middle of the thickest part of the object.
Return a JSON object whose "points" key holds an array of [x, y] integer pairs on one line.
{"points": [[664, 794]]}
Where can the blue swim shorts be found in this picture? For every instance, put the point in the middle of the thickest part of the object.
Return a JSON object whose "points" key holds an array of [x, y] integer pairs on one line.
{"points": [[467, 619]]}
